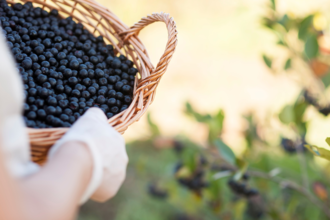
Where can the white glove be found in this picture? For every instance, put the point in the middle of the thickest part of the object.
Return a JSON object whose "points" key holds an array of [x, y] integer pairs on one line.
{"points": [[14, 138], [107, 148]]}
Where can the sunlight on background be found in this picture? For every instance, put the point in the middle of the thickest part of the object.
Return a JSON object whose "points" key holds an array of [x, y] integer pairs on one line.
{"points": [[217, 64]]}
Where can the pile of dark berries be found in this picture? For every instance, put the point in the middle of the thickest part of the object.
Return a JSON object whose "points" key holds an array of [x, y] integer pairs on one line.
{"points": [[65, 69]]}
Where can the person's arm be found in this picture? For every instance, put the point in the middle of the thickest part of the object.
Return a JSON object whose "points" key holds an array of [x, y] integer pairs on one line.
{"points": [[10, 197], [55, 191], [52, 193]]}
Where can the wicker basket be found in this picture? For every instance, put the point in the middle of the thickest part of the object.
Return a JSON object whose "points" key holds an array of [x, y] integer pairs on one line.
{"points": [[100, 21]]}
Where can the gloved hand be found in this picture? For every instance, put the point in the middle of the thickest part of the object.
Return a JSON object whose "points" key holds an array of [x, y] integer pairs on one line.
{"points": [[107, 148]]}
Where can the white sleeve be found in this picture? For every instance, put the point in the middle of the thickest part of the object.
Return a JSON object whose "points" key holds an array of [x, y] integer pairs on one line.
{"points": [[13, 134]]}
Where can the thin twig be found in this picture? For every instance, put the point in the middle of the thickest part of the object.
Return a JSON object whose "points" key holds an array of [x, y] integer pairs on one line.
{"points": [[302, 163], [303, 168]]}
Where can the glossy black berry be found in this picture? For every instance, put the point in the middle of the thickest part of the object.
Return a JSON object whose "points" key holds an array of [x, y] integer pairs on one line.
{"points": [[96, 86], [123, 108], [111, 93], [75, 93], [56, 122], [85, 94], [74, 64], [111, 102], [92, 90], [52, 101], [83, 73], [87, 82], [109, 115], [41, 113], [116, 63], [67, 111], [39, 103], [73, 106], [51, 110], [103, 81], [100, 99], [72, 119], [67, 73], [76, 115], [42, 78], [119, 85], [73, 81], [114, 109], [64, 117], [132, 71], [126, 89], [63, 103], [127, 99], [27, 64]]}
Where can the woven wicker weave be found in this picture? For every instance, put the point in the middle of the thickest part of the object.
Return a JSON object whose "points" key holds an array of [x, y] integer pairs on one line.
{"points": [[100, 21]]}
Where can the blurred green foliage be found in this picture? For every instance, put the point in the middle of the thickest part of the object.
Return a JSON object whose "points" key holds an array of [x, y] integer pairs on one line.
{"points": [[196, 179], [175, 178]]}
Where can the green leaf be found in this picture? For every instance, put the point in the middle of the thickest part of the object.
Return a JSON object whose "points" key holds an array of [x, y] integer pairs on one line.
{"points": [[327, 140], [215, 126], [268, 61], [302, 128], [189, 159], [241, 164], [311, 46], [215, 189], [198, 117], [189, 108], [326, 80], [284, 21], [287, 114], [268, 23], [287, 64], [239, 209], [153, 127], [225, 151], [281, 42], [304, 27], [251, 133], [273, 4], [242, 167], [319, 151], [219, 118], [299, 109]]}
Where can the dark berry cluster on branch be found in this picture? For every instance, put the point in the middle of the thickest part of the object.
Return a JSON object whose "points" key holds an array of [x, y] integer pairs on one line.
{"points": [[65, 69], [241, 188], [195, 182], [155, 191], [323, 109], [292, 147]]}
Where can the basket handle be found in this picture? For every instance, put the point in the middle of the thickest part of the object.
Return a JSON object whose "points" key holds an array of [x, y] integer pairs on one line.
{"points": [[170, 46]]}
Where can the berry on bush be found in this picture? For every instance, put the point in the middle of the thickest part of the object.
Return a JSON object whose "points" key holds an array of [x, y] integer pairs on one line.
{"points": [[156, 192], [240, 188], [291, 146]]}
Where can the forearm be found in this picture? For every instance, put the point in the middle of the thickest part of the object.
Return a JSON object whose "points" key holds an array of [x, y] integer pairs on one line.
{"points": [[55, 191]]}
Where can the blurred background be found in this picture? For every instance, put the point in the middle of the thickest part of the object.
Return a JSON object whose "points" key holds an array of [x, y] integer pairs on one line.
{"points": [[224, 139]]}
